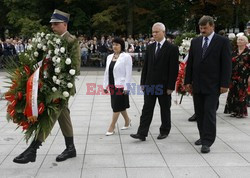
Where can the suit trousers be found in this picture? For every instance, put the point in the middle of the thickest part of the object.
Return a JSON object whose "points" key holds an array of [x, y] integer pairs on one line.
{"points": [[148, 111], [205, 109], [64, 120]]}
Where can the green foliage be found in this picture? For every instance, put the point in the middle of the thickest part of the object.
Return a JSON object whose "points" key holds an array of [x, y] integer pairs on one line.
{"points": [[108, 21], [30, 27], [179, 38], [80, 20], [23, 17]]}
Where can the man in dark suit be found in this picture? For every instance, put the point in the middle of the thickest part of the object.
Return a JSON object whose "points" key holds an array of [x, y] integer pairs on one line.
{"points": [[158, 79], [207, 76]]}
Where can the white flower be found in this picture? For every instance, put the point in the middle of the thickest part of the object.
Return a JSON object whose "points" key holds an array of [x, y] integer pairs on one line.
{"points": [[185, 46], [45, 74], [49, 52], [54, 78], [69, 85], [58, 41], [181, 49], [29, 47], [44, 48], [68, 61], [62, 49], [39, 39], [42, 34], [54, 59], [240, 34], [47, 36], [33, 39], [36, 54], [38, 34], [39, 45], [231, 36], [49, 42], [66, 94], [54, 89], [72, 71], [56, 51], [58, 82], [54, 39], [57, 70], [58, 60]]}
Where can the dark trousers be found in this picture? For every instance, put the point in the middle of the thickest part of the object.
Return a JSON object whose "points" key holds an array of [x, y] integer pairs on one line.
{"points": [[205, 109], [148, 111]]}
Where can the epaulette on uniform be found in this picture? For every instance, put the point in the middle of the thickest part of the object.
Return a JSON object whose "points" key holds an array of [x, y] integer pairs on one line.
{"points": [[71, 38]]}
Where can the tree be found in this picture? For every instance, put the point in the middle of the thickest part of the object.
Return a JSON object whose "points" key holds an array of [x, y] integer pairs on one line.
{"points": [[109, 21], [3, 19], [23, 17]]}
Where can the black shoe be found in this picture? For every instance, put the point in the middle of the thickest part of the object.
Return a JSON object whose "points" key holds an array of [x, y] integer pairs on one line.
{"points": [[138, 136], [162, 136], [205, 149], [192, 118], [197, 142], [69, 152], [29, 155]]}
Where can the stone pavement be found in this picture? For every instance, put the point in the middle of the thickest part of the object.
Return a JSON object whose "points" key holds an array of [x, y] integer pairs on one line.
{"points": [[119, 156]]}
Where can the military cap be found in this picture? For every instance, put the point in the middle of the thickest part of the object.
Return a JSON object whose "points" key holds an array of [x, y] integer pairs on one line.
{"points": [[59, 16]]}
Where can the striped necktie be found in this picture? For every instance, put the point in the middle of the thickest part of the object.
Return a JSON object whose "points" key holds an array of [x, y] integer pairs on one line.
{"points": [[204, 48]]}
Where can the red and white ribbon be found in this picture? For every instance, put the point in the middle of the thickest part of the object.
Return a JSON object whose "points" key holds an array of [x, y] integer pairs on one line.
{"points": [[31, 108]]}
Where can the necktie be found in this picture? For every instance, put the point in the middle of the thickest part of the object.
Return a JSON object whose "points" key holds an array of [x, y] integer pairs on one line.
{"points": [[204, 48], [158, 50]]}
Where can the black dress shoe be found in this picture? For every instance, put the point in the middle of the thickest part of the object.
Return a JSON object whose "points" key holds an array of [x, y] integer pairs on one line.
{"points": [[198, 142], [205, 149], [162, 136], [69, 152], [138, 136], [192, 118]]}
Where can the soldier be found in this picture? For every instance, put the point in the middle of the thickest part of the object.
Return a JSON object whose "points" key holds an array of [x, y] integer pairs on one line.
{"points": [[59, 24]]}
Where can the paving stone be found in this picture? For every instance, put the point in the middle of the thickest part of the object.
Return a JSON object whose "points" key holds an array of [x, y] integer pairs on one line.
{"points": [[104, 173], [193, 172], [231, 172], [119, 155], [225, 159], [144, 160], [149, 172]]}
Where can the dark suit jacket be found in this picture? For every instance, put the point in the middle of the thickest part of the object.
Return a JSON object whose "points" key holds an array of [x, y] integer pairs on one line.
{"points": [[164, 69], [213, 71], [1, 50], [9, 49]]}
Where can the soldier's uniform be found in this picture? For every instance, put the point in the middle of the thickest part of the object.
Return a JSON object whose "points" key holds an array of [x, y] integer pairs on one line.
{"points": [[63, 117]]}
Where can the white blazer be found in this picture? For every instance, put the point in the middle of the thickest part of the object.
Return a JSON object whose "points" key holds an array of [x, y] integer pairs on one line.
{"points": [[122, 71]]}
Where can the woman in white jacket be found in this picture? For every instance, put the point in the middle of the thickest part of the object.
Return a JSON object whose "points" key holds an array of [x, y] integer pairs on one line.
{"points": [[117, 78]]}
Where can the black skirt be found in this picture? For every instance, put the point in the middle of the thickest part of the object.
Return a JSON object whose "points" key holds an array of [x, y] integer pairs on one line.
{"points": [[119, 101]]}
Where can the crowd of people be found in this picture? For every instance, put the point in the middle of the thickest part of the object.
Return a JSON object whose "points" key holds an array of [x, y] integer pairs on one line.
{"points": [[210, 72], [94, 51], [11, 48]]}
